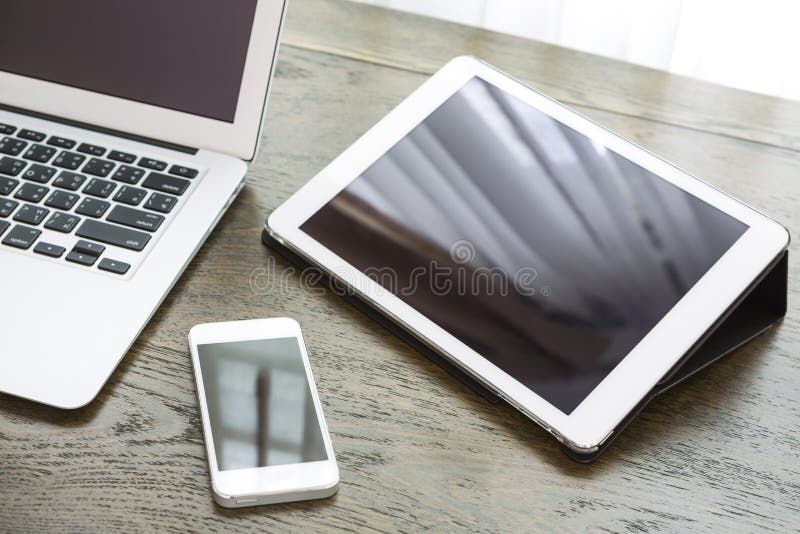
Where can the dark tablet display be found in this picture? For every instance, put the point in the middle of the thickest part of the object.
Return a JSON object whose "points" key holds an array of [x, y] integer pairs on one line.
{"points": [[540, 249]]}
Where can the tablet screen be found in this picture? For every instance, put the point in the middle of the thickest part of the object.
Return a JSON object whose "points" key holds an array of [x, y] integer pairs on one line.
{"points": [[542, 250]]}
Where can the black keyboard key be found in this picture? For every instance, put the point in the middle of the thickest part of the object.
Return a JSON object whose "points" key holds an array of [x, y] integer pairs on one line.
{"points": [[124, 157], [7, 129], [69, 180], [61, 200], [161, 203], [92, 207], [152, 164], [99, 188], [11, 146], [87, 247], [69, 160], [62, 222], [32, 215], [141, 220], [11, 166], [113, 234], [83, 259], [48, 249], [31, 192], [94, 150], [4, 226], [21, 237], [130, 195], [129, 175], [7, 206], [40, 153], [184, 172], [98, 167], [60, 142], [31, 135], [165, 183], [7, 185], [113, 266], [39, 173]]}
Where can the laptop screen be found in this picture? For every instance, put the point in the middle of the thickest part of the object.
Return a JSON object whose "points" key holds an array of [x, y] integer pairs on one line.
{"points": [[185, 55]]}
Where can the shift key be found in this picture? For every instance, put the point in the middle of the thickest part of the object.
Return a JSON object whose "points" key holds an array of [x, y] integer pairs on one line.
{"points": [[165, 183], [113, 234]]}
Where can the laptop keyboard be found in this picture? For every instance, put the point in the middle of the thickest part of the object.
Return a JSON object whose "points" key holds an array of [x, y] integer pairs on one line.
{"points": [[92, 206]]}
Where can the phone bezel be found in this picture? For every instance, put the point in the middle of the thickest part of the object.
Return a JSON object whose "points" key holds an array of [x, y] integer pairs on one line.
{"points": [[270, 481]]}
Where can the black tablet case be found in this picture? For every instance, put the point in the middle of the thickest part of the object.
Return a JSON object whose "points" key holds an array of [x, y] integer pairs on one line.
{"points": [[758, 308]]}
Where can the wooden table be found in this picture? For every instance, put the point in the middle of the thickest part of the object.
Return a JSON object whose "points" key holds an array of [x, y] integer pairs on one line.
{"points": [[416, 448]]}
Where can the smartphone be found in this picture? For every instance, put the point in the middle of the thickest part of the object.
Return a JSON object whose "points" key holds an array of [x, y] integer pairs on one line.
{"points": [[265, 434]]}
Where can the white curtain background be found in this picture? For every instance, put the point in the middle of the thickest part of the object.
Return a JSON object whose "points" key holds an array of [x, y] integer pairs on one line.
{"points": [[748, 44]]}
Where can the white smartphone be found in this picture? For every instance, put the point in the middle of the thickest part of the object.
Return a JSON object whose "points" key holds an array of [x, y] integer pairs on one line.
{"points": [[266, 437]]}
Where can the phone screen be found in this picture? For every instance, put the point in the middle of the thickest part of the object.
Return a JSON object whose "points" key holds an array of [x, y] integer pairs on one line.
{"points": [[259, 404]]}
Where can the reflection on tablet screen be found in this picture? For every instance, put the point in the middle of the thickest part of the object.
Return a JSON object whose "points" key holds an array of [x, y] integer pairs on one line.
{"points": [[545, 252]]}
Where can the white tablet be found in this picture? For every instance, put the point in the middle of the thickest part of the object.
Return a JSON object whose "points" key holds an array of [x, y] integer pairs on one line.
{"points": [[562, 266]]}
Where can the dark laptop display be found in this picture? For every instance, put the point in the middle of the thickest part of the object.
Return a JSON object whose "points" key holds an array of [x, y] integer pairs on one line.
{"points": [[185, 55]]}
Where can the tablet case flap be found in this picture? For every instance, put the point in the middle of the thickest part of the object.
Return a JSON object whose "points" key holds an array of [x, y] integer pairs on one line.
{"points": [[758, 308]]}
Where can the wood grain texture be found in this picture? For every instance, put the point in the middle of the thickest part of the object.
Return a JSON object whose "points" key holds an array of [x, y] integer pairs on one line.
{"points": [[416, 449], [422, 44]]}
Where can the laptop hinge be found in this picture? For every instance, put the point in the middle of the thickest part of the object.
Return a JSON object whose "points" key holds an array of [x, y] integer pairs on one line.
{"points": [[101, 129]]}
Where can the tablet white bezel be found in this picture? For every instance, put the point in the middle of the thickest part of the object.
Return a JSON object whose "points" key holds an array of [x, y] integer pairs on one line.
{"points": [[600, 412], [239, 138]]}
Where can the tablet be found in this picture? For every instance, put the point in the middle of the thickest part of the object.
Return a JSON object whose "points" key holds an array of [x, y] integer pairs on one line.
{"points": [[564, 267]]}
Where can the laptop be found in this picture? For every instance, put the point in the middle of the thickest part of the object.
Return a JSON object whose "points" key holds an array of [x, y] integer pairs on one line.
{"points": [[125, 133]]}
